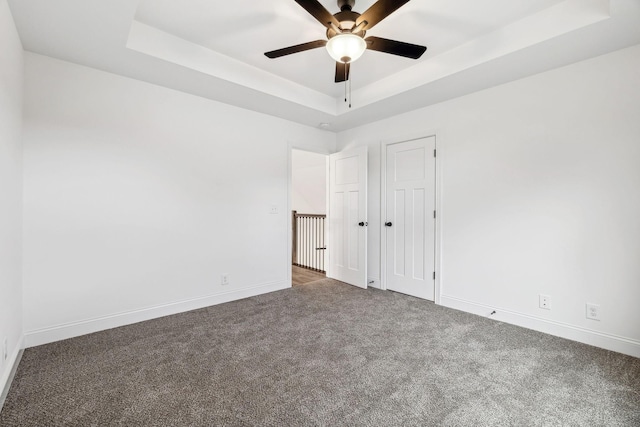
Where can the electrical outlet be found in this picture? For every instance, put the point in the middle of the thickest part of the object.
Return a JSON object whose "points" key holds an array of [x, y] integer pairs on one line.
{"points": [[273, 209], [545, 302], [593, 311], [224, 280]]}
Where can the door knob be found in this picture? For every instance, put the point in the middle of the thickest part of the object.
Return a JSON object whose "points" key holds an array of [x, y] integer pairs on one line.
{"points": [[388, 224], [362, 224]]}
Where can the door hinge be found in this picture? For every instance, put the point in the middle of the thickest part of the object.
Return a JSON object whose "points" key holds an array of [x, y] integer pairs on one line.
{"points": [[434, 214], [434, 152], [434, 275]]}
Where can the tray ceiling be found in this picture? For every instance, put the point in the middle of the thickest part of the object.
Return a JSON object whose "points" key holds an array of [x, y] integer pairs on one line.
{"points": [[215, 49]]}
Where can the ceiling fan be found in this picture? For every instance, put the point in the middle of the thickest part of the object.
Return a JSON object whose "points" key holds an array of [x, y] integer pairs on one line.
{"points": [[346, 32]]}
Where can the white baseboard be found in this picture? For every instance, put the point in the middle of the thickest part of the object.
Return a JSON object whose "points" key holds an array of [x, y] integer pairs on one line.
{"points": [[598, 339], [74, 329], [10, 370]]}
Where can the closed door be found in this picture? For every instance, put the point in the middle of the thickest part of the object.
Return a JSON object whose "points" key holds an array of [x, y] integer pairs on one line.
{"points": [[410, 217], [347, 219]]}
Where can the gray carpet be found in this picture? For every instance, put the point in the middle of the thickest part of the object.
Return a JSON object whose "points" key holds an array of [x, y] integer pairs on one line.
{"points": [[323, 354]]}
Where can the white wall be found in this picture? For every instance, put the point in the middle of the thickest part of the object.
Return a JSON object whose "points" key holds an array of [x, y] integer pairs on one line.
{"points": [[11, 70], [540, 194], [138, 198], [309, 182]]}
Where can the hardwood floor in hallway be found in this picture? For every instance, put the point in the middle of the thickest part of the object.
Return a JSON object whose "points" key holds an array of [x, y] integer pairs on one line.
{"points": [[300, 276]]}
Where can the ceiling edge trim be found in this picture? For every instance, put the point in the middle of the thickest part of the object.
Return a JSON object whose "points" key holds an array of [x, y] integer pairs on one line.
{"points": [[545, 25], [151, 41]]}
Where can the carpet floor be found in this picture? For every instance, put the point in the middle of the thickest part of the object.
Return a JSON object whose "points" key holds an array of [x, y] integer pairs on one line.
{"points": [[323, 354]]}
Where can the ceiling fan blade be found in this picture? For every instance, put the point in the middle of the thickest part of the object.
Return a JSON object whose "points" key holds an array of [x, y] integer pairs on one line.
{"points": [[295, 49], [394, 47], [378, 11], [342, 71], [319, 12]]}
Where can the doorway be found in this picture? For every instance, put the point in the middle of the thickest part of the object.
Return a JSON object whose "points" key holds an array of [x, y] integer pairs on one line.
{"points": [[308, 216]]}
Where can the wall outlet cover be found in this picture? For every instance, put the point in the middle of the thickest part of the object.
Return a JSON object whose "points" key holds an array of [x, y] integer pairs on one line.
{"points": [[545, 301], [593, 311]]}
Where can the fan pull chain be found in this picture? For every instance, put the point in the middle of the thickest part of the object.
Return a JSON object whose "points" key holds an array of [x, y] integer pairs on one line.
{"points": [[345, 82], [350, 89]]}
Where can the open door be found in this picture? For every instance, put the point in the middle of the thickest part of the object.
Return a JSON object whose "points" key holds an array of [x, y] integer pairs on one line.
{"points": [[347, 218]]}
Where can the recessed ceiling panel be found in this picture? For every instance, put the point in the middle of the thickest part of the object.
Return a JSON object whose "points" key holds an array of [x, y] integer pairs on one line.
{"points": [[245, 29]]}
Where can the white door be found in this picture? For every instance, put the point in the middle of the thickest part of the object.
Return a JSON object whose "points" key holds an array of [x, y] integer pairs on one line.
{"points": [[410, 217], [347, 219]]}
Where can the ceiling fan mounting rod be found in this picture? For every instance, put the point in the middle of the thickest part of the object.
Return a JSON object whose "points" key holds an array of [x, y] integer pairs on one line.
{"points": [[346, 4]]}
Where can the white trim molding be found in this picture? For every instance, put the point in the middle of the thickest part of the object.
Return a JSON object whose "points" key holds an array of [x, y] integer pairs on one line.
{"points": [[74, 329], [586, 336], [9, 373]]}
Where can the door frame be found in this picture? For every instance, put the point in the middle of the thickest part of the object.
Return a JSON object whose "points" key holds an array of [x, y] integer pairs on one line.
{"points": [[437, 262], [317, 150]]}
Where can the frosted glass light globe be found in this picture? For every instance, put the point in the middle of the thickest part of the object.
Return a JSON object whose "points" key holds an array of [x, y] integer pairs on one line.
{"points": [[346, 47]]}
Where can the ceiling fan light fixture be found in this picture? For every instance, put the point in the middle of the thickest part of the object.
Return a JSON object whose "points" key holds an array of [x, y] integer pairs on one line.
{"points": [[346, 47]]}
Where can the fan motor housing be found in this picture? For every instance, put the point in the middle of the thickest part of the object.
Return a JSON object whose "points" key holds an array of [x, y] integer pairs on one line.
{"points": [[347, 19]]}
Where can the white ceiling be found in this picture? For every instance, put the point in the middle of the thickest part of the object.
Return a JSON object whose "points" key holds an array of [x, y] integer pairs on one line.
{"points": [[215, 49], [245, 29]]}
